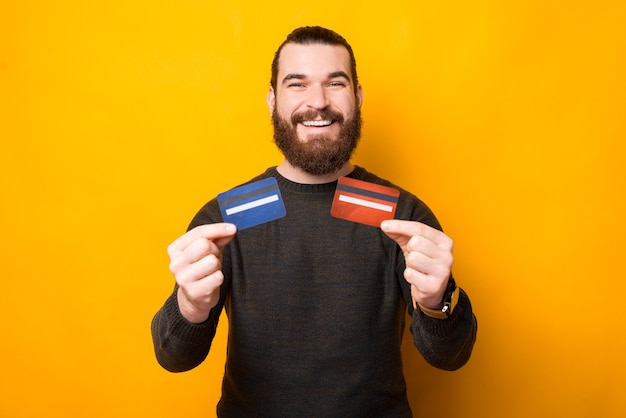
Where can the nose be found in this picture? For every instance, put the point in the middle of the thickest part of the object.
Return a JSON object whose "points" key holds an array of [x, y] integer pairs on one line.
{"points": [[317, 98]]}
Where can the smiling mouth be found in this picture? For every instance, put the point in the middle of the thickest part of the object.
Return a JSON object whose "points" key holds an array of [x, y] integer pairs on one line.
{"points": [[317, 123]]}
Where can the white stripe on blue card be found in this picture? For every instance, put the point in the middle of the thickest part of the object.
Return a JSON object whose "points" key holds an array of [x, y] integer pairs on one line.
{"points": [[252, 204]]}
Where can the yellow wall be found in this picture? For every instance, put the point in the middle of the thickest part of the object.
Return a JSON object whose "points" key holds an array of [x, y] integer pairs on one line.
{"points": [[118, 119]]}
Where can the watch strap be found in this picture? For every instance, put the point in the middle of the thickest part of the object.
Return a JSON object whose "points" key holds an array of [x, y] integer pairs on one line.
{"points": [[450, 300]]}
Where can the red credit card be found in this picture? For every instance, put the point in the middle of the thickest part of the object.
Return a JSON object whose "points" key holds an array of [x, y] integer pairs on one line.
{"points": [[364, 202]]}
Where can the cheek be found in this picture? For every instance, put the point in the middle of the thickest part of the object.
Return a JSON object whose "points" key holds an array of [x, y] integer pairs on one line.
{"points": [[286, 108], [347, 104], [287, 99]]}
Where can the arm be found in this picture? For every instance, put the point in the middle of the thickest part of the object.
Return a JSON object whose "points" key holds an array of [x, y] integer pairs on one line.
{"points": [[446, 343], [427, 255], [180, 345], [183, 329]]}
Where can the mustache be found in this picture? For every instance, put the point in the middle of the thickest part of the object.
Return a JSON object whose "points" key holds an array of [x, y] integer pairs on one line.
{"points": [[324, 114]]}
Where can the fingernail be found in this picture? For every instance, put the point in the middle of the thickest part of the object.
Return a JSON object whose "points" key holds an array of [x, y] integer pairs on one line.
{"points": [[385, 225], [230, 228]]}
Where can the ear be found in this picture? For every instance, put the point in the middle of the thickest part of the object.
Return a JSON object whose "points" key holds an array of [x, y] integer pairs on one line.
{"points": [[271, 100], [359, 95]]}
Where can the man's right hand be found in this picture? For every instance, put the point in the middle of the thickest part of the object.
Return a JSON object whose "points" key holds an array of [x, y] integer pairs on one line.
{"points": [[196, 262]]}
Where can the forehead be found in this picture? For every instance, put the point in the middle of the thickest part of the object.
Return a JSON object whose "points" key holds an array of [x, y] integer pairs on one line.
{"points": [[313, 60]]}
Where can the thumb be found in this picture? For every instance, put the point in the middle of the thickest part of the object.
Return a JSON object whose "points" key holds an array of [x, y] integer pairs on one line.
{"points": [[394, 230]]}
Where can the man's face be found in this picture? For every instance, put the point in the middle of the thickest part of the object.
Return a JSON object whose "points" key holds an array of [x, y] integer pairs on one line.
{"points": [[315, 110]]}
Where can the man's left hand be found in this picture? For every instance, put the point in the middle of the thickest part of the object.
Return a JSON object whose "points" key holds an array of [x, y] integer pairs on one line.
{"points": [[428, 256]]}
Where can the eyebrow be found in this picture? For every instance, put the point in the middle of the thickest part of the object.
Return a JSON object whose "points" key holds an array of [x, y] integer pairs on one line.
{"points": [[334, 74]]}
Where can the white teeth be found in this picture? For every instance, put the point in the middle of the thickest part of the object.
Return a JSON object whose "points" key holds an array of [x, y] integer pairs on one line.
{"points": [[317, 122]]}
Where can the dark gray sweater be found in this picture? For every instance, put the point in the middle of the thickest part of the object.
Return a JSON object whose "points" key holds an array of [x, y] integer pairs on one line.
{"points": [[316, 309]]}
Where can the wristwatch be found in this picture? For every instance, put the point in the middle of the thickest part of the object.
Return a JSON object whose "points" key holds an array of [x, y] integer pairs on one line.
{"points": [[450, 299]]}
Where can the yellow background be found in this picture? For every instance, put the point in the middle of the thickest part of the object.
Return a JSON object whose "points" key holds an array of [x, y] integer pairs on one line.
{"points": [[119, 119]]}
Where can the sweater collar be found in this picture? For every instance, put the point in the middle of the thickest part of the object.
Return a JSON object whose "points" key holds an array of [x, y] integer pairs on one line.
{"points": [[286, 184]]}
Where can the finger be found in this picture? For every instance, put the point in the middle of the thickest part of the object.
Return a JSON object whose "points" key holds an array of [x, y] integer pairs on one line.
{"points": [[199, 249], [401, 231], [203, 289], [220, 233], [197, 271], [200, 293], [194, 252], [423, 283], [427, 247], [419, 262], [429, 266]]}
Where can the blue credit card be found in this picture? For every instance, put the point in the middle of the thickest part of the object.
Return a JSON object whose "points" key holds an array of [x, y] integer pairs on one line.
{"points": [[252, 204]]}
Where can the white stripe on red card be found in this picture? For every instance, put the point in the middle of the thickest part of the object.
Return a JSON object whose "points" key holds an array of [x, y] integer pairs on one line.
{"points": [[364, 202]]}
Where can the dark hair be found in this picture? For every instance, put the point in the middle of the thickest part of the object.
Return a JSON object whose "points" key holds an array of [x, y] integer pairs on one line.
{"points": [[307, 35]]}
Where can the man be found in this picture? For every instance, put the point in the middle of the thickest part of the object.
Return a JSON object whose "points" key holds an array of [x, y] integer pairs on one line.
{"points": [[316, 304]]}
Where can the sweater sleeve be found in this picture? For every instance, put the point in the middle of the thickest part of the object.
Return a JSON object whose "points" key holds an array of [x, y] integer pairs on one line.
{"points": [[180, 345], [446, 343]]}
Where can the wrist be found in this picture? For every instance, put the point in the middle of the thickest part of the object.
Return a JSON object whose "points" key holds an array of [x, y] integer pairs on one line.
{"points": [[444, 309], [189, 311]]}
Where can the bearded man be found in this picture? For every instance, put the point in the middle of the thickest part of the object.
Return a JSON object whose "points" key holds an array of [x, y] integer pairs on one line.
{"points": [[316, 304]]}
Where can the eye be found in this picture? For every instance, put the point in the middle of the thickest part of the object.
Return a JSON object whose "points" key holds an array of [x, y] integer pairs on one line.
{"points": [[337, 84]]}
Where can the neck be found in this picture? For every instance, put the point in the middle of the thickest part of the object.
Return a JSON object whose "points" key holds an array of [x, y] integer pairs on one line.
{"points": [[298, 175]]}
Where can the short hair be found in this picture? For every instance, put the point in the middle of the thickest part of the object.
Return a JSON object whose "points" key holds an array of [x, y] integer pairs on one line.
{"points": [[308, 35]]}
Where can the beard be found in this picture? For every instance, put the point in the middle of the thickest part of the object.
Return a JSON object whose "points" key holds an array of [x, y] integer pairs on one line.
{"points": [[320, 154]]}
